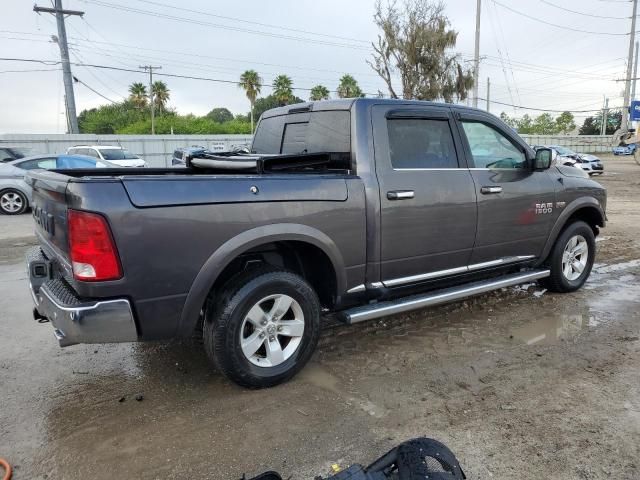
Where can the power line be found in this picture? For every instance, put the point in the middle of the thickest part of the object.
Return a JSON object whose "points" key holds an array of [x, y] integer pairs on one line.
{"points": [[77, 80], [170, 75], [551, 110], [564, 27], [225, 27], [31, 70], [583, 13], [249, 22]]}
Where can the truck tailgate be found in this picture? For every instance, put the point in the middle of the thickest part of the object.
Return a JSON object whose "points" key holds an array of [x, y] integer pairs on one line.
{"points": [[49, 209]]}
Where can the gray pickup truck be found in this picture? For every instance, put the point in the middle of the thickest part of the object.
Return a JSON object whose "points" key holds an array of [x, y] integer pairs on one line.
{"points": [[361, 208]]}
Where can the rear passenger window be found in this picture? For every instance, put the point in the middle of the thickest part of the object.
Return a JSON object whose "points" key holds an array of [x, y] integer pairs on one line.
{"points": [[421, 143]]}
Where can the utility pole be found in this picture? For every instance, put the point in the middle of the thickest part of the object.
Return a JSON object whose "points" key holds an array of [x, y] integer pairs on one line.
{"points": [[635, 75], [150, 69], [60, 13], [627, 87], [476, 56], [488, 93], [605, 116]]}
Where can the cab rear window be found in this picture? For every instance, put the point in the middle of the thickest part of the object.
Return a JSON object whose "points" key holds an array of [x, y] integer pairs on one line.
{"points": [[308, 132]]}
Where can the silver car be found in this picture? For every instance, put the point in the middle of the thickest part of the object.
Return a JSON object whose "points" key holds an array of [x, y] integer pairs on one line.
{"points": [[15, 194]]}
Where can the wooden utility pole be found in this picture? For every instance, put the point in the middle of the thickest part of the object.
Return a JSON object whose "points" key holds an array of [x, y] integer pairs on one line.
{"points": [[59, 12], [476, 56], [488, 94], [150, 69], [627, 86]]}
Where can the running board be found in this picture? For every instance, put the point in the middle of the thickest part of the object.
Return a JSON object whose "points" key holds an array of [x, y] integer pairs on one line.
{"points": [[438, 297]]}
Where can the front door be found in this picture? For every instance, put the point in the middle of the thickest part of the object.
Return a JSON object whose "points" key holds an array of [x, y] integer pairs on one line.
{"points": [[516, 205], [427, 194]]}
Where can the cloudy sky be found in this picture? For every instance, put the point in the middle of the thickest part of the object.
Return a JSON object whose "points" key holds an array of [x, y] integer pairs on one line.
{"points": [[536, 52]]}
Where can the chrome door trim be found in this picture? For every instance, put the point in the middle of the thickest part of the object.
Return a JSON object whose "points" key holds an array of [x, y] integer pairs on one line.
{"points": [[452, 271], [357, 289]]}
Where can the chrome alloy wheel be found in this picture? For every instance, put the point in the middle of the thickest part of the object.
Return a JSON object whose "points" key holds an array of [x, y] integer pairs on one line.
{"points": [[272, 330], [11, 202], [575, 257]]}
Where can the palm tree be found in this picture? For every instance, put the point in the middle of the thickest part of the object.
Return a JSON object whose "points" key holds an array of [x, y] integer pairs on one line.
{"points": [[251, 82], [138, 94], [161, 95], [283, 89], [348, 87], [319, 92]]}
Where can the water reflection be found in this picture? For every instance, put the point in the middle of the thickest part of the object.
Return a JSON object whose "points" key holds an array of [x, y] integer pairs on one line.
{"points": [[554, 329]]}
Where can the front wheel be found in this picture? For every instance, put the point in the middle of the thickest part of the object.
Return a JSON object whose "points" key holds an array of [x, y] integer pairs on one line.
{"points": [[13, 202], [263, 328], [571, 258]]}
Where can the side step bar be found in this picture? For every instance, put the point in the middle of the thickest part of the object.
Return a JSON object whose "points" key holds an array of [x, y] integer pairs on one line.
{"points": [[438, 297]]}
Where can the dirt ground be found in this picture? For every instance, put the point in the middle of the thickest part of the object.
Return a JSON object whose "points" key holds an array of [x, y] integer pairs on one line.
{"points": [[520, 384]]}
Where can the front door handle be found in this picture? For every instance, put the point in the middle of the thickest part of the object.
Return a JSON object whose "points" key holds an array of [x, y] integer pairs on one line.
{"points": [[400, 194], [489, 190]]}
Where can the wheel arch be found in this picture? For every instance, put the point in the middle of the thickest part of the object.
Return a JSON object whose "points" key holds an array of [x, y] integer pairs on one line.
{"points": [[587, 209], [292, 236], [18, 188]]}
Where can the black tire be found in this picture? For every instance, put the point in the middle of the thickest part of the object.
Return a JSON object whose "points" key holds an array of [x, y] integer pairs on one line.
{"points": [[8, 199], [224, 323], [558, 280]]}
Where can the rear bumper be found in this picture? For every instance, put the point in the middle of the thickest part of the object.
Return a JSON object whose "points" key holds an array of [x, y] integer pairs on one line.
{"points": [[77, 320]]}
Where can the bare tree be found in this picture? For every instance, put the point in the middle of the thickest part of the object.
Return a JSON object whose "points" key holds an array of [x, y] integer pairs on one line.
{"points": [[415, 44]]}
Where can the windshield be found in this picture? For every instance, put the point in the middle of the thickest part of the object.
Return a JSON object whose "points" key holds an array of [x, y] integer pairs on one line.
{"points": [[563, 151], [117, 154]]}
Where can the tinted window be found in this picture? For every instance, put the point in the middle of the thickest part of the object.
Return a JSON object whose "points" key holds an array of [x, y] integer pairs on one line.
{"points": [[5, 156], [75, 162], [44, 163], [491, 149], [421, 143], [312, 132], [116, 154]]}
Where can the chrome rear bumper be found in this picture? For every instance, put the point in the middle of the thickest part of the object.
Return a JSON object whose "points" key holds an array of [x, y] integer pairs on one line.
{"points": [[77, 320]]}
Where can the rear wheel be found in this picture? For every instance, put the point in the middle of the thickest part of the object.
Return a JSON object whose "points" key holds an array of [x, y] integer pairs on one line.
{"points": [[13, 202], [263, 328], [571, 259]]}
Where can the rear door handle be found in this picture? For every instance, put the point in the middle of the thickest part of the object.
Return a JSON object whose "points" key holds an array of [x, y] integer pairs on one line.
{"points": [[400, 194], [489, 190]]}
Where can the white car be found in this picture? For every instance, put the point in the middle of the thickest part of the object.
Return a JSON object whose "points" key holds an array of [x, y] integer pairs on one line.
{"points": [[117, 155]]}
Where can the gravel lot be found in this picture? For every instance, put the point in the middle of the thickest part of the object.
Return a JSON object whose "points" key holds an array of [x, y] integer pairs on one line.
{"points": [[518, 383]]}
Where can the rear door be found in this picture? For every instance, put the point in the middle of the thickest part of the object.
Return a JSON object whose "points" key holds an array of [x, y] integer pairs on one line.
{"points": [[427, 195], [516, 205]]}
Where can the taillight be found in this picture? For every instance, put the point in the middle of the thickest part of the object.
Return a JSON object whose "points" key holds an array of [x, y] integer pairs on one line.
{"points": [[93, 253]]}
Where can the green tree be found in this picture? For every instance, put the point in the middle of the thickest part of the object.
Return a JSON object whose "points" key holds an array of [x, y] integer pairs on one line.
{"points": [[109, 119], [545, 124], [415, 44], [348, 87], [524, 124], [161, 94], [593, 125], [138, 94], [565, 122], [319, 92], [270, 101], [283, 89], [251, 83], [512, 122], [590, 127], [220, 115]]}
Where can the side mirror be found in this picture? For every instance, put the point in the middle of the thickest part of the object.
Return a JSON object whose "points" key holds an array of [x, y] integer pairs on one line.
{"points": [[543, 159]]}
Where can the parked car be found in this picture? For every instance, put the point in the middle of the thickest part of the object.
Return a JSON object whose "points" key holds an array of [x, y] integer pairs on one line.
{"points": [[625, 149], [591, 164], [14, 153], [15, 193], [358, 207], [116, 155]]}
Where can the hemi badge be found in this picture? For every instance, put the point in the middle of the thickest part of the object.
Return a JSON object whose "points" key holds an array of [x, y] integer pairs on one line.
{"points": [[560, 204]]}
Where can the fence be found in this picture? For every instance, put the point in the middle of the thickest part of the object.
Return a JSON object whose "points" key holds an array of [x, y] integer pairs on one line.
{"points": [[577, 143], [157, 149]]}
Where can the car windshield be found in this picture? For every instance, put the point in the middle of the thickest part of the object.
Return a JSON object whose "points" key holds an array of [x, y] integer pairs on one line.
{"points": [[117, 154], [24, 151], [563, 151]]}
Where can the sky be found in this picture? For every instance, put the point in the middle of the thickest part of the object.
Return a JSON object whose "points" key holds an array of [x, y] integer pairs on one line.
{"points": [[537, 53]]}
